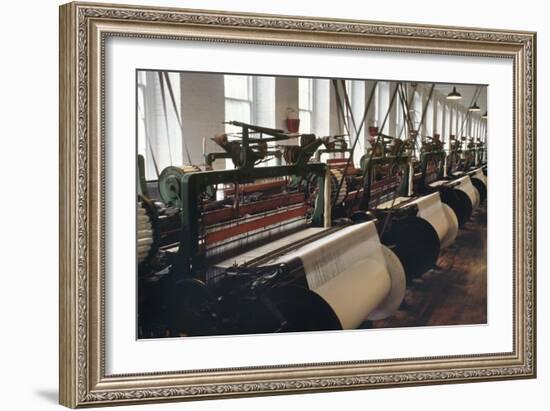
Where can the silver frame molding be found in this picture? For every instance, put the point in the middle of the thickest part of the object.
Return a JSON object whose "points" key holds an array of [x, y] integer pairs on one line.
{"points": [[83, 30]]}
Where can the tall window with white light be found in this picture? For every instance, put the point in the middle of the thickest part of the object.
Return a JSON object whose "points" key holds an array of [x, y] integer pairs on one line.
{"points": [[239, 95], [159, 134], [305, 104]]}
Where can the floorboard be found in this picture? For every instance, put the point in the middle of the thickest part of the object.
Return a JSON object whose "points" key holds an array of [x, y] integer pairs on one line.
{"points": [[455, 292]]}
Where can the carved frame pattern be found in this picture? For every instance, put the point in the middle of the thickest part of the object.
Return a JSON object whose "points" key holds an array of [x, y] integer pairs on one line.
{"points": [[84, 28]]}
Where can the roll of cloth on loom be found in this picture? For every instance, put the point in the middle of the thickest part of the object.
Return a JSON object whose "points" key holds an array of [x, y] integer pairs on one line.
{"points": [[349, 269], [439, 215]]}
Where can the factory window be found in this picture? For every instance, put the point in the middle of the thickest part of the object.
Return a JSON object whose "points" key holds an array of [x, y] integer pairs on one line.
{"points": [[305, 104], [141, 128], [158, 130], [314, 106], [249, 99], [239, 92], [238, 100]]}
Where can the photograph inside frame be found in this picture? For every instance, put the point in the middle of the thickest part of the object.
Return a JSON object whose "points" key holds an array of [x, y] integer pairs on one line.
{"points": [[269, 204]]}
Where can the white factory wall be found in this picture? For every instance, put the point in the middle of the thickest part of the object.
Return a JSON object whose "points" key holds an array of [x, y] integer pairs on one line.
{"points": [[335, 124], [203, 111], [286, 99], [159, 134], [29, 166]]}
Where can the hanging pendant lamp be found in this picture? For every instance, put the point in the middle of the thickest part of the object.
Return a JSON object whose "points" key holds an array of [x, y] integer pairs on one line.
{"points": [[454, 95], [474, 107]]}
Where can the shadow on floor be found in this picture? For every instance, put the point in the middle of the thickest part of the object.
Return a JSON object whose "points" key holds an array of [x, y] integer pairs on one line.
{"points": [[50, 395]]}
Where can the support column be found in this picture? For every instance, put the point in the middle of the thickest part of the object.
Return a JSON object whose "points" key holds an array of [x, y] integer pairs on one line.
{"points": [[321, 107], [452, 122], [435, 100], [369, 87], [336, 124], [264, 101], [392, 119], [286, 96], [428, 106], [444, 119], [203, 113]]}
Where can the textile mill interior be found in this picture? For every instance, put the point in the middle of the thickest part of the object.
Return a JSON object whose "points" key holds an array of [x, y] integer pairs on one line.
{"points": [[270, 204]]}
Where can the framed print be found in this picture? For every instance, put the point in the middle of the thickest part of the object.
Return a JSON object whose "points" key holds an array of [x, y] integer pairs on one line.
{"points": [[260, 204]]}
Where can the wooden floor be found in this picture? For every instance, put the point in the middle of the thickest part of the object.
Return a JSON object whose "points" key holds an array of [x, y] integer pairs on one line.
{"points": [[456, 291]]}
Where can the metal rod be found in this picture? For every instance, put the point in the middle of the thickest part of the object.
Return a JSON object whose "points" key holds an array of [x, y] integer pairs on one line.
{"points": [[424, 110], [365, 203], [467, 116], [411, 102], [367, 107], [163, 97], [171, 92], [157, 172]]}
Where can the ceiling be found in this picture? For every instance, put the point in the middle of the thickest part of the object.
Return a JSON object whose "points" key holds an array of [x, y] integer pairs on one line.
{"points": [[467, 92]]}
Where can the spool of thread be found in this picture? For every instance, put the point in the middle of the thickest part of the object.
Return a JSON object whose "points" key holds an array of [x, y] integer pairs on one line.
{"points": [[144, 235]]}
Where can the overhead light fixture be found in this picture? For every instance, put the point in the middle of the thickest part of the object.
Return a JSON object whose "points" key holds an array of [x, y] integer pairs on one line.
{"points": [[454, 95], [474, 107], [484, 115]]}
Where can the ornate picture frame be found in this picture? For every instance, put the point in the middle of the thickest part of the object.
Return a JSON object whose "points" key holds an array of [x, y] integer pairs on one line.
{"points": [[84, 29]]}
